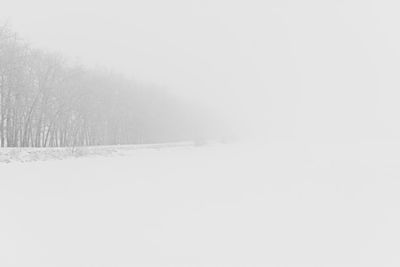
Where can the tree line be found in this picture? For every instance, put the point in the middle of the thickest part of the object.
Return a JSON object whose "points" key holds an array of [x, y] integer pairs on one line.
{"points": [[47, 102]]}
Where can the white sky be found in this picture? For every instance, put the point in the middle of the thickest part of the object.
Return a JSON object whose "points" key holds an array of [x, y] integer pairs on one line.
{"points": [[293, 68]]}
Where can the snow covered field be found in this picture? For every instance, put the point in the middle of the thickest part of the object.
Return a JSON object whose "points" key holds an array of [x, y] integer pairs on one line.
{"points": [[18, 154], [218, 205]]}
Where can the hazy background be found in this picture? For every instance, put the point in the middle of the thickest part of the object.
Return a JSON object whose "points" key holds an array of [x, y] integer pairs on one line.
{"points": [[302, 70]]}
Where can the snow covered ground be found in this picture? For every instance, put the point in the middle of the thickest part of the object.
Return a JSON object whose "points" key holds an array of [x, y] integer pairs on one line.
{"points": [[9, 155], [217, 205]]}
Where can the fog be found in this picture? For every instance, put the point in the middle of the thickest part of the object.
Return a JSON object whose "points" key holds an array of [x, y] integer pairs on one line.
{"points": [[107, 158], [323, 70], [303, 70]]}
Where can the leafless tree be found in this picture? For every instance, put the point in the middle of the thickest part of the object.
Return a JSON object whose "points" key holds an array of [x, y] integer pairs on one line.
{"points": [[44, 101]]}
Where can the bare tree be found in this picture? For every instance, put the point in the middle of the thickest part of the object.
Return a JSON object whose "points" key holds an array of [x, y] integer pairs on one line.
{"points": [[44, 101]]}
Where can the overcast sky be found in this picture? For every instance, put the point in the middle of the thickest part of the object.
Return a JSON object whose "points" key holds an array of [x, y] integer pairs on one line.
{"points": [[309, 69]]}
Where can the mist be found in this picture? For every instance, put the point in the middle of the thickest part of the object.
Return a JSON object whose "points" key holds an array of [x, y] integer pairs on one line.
{"points": [[199, 133], [309, 70]]}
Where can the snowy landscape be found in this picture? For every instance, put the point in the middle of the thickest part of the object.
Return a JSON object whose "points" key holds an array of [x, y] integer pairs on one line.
{"points": [[213, 133], [212, 205]]}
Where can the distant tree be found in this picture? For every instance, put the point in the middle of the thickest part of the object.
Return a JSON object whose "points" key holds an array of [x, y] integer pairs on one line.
{"points": [[44, 101]]}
